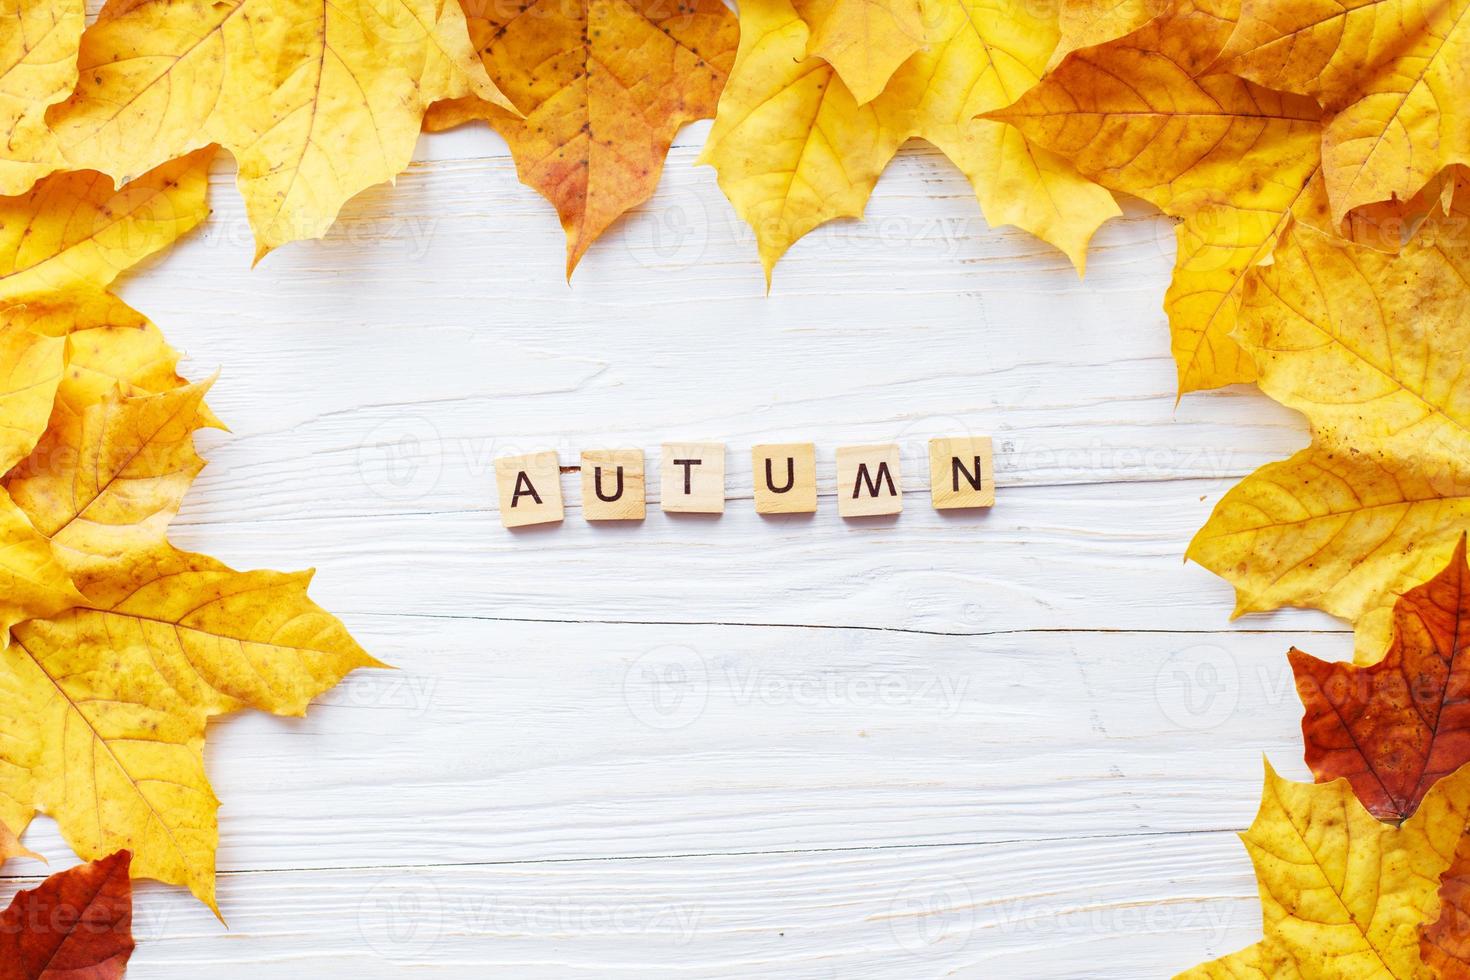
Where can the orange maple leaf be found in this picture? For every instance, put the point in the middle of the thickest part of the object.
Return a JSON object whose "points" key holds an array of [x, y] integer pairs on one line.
{"points": [[604, 87]]}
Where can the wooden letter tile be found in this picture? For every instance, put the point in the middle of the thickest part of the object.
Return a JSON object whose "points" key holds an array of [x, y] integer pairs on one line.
{"points": [[692, 478], [612, 485], [785, 476], [868, 481], [530, 489], [961, 473]]}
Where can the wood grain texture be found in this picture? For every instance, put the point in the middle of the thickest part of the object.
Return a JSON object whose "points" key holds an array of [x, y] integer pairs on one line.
{"points": [[1005, 743]]}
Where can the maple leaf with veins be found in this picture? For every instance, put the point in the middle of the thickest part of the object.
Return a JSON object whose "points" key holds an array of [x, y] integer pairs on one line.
{"points": [[316, 101], [1396, 727], [604, 86], [75, 925]]}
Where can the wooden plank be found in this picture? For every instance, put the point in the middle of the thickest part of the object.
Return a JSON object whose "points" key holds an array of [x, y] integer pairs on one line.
{"points": [[1106, 908], [1093, 557], [504, 741]]}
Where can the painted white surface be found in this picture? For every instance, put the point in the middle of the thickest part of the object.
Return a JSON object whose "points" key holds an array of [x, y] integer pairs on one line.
{"points": [[1012, 744]]}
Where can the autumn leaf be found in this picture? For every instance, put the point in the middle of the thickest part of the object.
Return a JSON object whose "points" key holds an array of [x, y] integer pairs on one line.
{"points": [[864, 41], [1234, 160], [38, 48], [1084, 23], [11, 847], [33, 581], [73, 233], [1343, 895], [604, 86], [1444, 943], [110, 348], [76, 925], [1369, 346], [794, 148], [1391, 75], [121, 647], [1394, 728], [104, 490], [316, 101], [30, 373], [61, 245], [109, 703]]}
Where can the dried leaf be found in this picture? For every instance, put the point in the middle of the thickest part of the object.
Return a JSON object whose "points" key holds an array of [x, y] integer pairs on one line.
{"points": [[863, 40], [1395, 728], [11, 847], [604, 86], [39, 49], [105, 490], [1084, 23], [73, 233], [317, 101], [32, 581], [110, 348], [109, 703], [76, 925], [794, 148], [1444, 944], [1391, 75], [1343, 895], [1370, 347], [30, 373], [1233, 159]]}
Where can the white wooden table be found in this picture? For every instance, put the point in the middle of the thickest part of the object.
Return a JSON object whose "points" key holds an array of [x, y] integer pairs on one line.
{"points": [[1016, 744]]}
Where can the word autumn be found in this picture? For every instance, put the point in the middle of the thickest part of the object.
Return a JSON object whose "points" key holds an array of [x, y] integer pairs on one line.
{"points": [[692, 480]]}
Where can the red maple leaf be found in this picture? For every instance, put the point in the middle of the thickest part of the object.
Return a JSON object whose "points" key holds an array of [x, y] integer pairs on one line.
{"points": [[75, 925], [1395, 727]]}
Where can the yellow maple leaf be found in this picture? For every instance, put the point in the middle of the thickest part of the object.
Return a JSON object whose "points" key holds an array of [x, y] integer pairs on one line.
{"points": [[1391, 74], [30, 373], [794, 148], [105, 490], [38, 48], [604, 86], [11, 847], [1084, 23], [74, 233], [107, 705], [1343, 895], [32, 581], [109, 347], [863, 40], [1233, 159], [1370, 347], [316, 101]]}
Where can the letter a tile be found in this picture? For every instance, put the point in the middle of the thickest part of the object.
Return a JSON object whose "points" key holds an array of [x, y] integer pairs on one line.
{"points": [[530, 489], [612, 485]]}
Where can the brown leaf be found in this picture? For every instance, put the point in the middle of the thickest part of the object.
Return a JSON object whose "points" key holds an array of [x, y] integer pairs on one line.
{"points": [[1444, 944], [76, 925], [1393, 729]]}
